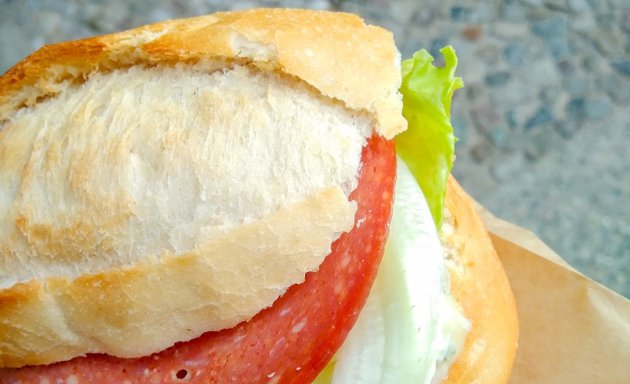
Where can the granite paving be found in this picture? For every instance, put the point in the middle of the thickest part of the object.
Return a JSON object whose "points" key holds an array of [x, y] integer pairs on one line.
{"points": [[543, 122]]}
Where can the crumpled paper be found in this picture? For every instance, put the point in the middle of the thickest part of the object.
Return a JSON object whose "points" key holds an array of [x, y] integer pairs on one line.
{"points": [[572, 329]]}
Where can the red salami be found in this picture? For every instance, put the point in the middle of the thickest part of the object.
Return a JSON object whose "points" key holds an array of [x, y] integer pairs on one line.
{"points": [[289, 342]]}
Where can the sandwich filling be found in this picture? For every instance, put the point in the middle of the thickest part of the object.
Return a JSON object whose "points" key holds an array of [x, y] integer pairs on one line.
{"points": [[411, 329]]}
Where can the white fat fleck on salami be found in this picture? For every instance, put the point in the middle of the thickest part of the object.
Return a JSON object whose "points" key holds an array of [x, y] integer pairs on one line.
{"points": [[345, 261], [299, 326], [237, 339], [339, 287]]}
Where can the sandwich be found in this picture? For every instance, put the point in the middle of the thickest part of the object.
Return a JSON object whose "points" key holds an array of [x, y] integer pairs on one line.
{"points": [[247, 197]]}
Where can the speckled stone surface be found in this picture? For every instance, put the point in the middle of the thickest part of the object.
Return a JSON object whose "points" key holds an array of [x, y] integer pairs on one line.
{"points": [[543, 122]]}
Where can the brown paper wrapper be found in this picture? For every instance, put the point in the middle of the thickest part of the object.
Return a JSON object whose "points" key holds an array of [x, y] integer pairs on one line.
{"points": [[572, 329]]}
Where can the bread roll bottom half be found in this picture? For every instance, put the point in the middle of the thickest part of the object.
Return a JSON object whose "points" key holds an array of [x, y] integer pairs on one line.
{"points": [[106, 146]]}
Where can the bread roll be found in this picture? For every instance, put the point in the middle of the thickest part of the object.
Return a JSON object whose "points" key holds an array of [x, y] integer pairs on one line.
{"points": [[479, 284], [110, 240]]}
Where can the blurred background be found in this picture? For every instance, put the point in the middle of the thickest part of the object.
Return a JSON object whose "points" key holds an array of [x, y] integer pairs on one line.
{"points": [[543, 121]]}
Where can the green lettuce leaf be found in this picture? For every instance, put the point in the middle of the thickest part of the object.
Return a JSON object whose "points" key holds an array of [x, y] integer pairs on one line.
{"points": [[428, 145]]}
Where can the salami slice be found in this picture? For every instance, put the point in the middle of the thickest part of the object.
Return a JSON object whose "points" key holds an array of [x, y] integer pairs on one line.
{"points": [[291, 341]]}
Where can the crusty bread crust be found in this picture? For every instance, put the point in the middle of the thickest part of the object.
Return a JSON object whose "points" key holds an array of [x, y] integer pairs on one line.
{"points": [[480, 285], [117, 311], [326, 50]]}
